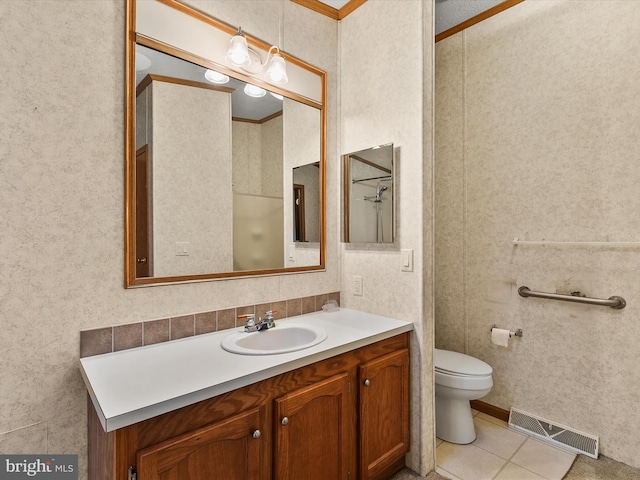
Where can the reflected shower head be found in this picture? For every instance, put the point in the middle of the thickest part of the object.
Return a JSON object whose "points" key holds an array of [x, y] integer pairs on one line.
{"points": [[379, 192]]}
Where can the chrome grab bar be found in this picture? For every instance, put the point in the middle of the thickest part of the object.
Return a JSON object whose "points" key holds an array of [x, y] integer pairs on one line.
{"points": [[613, 302], [517, 241]]}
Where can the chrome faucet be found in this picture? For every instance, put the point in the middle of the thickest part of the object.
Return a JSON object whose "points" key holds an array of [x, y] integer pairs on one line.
{"points": [[250, 326], [267, 322], [263, 323]]}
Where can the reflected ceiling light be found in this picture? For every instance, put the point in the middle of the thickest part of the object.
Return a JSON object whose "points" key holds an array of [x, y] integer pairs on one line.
{"points": [[239, 56], [254, 91], [216, 77], [142, 62], [278, 96]]}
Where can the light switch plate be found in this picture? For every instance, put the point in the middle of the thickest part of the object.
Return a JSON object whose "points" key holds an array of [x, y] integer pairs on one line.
{"points": [[357, 285], [406, 256]]}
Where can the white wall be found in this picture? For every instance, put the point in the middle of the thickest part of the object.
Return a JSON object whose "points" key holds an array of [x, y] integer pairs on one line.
{"points": [[62, 201], [386, 97], [537, 137]]}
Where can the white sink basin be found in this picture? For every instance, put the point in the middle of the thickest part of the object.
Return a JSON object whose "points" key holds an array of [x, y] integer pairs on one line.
{"points": [[283, 338]]}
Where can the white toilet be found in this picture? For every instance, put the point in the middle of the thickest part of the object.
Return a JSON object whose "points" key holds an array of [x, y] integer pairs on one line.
{"points": [[459, 378]]}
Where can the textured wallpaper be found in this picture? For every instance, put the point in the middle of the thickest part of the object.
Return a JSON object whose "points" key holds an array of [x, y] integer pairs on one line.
{"points": [[271, 174], [246, 152], [62, 222], [536, 137], [62, 199], [191, 180], [386, 97]]}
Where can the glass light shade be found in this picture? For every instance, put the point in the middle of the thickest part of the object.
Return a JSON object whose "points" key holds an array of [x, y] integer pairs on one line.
{"points": [[238, 53], [254, 91], [142, 62], [216, 77], [277, 95], [277, 72]]}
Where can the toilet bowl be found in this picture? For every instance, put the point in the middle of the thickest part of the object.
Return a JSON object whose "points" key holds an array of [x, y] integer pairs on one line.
{"points": [[459, 378]]}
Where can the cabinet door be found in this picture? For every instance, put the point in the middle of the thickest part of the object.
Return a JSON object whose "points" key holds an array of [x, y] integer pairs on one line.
{"points": [[313, 439], [229, 450], [384, 414]]}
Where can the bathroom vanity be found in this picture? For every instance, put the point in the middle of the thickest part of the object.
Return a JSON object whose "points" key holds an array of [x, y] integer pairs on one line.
{"points": [[188, 409]]}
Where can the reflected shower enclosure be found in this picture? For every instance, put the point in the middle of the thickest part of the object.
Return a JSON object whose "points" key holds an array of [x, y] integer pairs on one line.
{"points": [[369, 195]]}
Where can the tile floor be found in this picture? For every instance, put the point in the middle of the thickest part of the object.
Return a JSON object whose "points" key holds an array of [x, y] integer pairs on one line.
{"points": [[499, 453]]}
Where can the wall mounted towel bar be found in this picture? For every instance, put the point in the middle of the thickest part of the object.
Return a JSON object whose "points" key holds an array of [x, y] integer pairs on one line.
{"points": [[613, 302], [517, 241]]}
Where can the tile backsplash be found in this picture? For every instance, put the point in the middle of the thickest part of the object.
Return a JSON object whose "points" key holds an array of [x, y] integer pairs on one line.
{"points": [[122, 337]]}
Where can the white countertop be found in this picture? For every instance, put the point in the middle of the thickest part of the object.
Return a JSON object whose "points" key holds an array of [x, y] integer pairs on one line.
{"points": [[134, 385]]}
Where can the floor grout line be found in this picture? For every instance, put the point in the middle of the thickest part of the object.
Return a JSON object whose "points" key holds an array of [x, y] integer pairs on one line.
{"points": [[507, 461], [512, 455]]}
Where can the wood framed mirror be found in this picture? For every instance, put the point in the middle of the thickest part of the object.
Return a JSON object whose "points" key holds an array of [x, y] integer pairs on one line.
{"points": [[210, 170]]}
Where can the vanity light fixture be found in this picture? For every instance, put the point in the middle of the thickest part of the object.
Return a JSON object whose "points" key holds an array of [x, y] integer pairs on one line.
{"points": [[239, 55], [254, 91], [277, 95], [277, 72], [216, 77]]}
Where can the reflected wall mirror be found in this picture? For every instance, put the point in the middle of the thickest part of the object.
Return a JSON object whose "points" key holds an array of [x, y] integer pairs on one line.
{"points": [[225, 171], [306, 197], [369, 195]]}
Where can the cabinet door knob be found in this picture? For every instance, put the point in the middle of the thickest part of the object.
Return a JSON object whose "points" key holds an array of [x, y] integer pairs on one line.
{"points": [[284, 421], [256, 434], [367, 383]]}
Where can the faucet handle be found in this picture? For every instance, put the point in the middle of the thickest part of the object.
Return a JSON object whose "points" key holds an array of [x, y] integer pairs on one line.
{"points": [[268, 318], [251, 318], [251, 321]]}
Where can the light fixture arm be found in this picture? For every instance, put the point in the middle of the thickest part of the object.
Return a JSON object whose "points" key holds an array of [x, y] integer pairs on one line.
{"points": [[270, 53], [259, 61]]}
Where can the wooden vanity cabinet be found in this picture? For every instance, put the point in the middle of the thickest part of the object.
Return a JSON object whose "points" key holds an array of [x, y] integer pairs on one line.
{"points": [[315, 422], [384, 415], [227, 449], [313, 431]]}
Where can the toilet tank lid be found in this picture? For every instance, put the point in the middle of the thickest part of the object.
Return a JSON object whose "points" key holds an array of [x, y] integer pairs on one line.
{"points": [[459, 363]]}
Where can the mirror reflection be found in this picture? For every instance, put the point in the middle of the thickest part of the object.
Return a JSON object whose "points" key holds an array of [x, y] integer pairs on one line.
{"points": [[213, 157], [369, 195], [306, 198]]}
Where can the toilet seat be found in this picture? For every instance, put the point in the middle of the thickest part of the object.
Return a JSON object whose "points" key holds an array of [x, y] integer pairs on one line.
{"points": [[457, 370], [459, 364], [475, 382], [456, 374]]}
